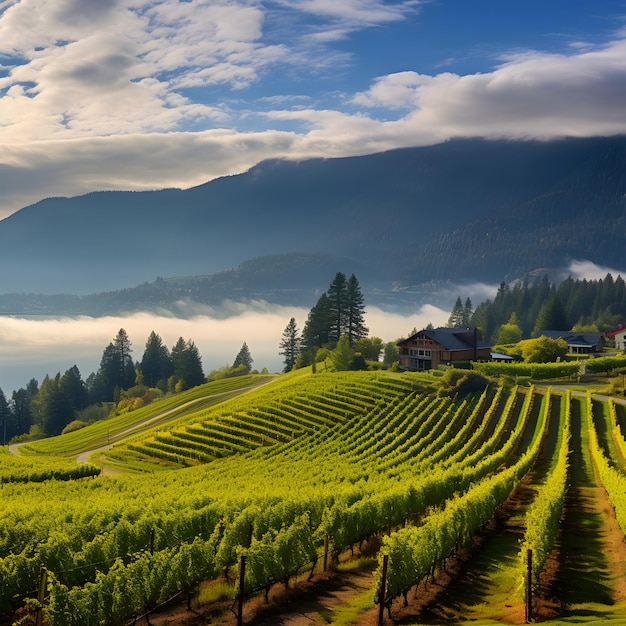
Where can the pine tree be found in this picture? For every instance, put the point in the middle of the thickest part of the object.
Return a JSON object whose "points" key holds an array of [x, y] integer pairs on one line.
{"points": [[244, 359], [457, 315], [552, 315], [468, 311], [186, 365], [290, 345], [355, 323], [316, 333], [337, 295], [156, 363], [5, 418], [122, 346]]}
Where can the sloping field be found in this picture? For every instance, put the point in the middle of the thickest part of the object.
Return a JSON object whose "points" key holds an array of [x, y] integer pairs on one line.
{"points": [[303, 469]]}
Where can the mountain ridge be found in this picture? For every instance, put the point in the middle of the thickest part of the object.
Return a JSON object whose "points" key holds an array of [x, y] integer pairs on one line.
{"points": [[463, 210]]}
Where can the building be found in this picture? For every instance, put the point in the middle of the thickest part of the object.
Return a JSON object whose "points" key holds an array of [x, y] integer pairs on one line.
{"points": [[619, 337], [428, 349], [577, 343]]}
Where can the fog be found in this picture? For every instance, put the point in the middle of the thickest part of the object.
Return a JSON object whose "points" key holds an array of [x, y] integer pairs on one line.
{"points": [[33, 347]]}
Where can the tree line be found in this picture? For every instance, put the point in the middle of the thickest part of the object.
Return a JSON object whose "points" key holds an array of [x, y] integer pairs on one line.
{"points": [[519, 310], [66, 400]]}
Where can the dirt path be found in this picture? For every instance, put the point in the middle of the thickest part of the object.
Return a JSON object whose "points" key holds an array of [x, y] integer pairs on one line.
{"points": [[590, 560]]}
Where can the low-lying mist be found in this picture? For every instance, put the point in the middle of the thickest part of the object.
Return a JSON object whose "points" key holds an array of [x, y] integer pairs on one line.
{"points": [[34, 347]]}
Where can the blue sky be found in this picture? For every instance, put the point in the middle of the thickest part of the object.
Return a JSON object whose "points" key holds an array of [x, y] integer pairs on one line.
{"points": [[137, 94]]}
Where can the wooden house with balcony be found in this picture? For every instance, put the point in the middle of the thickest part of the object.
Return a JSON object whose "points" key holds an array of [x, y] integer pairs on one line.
{"points": [[428, 349]]}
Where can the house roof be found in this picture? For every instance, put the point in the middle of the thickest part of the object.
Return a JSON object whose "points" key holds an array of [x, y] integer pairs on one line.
{"points": [[572, 338], [614, 333], [450, 338]]}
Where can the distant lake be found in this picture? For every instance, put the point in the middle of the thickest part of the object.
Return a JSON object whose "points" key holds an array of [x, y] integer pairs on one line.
{"points": [[33, 346]]}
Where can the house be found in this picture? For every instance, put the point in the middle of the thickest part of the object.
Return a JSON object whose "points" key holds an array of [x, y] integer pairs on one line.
{"points": [[427, 349], [577, 343], [619, 337]]}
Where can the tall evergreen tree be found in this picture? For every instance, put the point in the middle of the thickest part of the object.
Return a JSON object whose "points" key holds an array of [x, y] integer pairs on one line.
{"points": [[355, 318], [289, 346], [21, 400], [337, 295], [457, 315], [552, 315], [156, 363], [5, 418], [74, 389], [316, 332], [468, 311], [187, 365], [244, 359], [122, 346]]}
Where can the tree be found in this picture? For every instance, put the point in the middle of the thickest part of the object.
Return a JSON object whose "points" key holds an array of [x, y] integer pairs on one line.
{"points": [[122, 346], [391, 353], [342, 355], [468, 311], [509, 332], [289, 346], [116, 370], [457, 315], [541, 350], [355, 323], [74, 389], [244, 359], [22, 413], [337, 295], [5, 417], [187, 365], [552, 315], [317, 328], [156, 363], [369, 347]]}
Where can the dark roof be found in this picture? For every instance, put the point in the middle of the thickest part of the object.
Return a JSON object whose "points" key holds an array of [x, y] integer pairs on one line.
{"points": [[450, 338], [572, 338]]}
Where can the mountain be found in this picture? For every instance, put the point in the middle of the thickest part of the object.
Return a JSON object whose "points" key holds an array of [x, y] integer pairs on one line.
{"points": [[467, 209]]}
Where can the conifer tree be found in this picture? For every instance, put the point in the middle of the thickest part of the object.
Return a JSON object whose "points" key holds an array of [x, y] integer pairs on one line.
{"points": [[244, 359], [316, 331], [290, 345], [156, 363], [337, 295], [355, 323], [187, 365], [5, 418], [457, 315]]}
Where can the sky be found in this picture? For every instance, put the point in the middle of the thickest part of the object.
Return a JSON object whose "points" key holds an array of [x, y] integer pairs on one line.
{"points": [[137, 94]]}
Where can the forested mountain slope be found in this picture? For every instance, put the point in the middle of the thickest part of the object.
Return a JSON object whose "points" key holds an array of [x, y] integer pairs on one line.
{"points": [[462, 210]]}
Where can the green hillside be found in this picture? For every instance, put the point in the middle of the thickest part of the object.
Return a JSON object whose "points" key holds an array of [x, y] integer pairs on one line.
{"points": [[306, 461]]}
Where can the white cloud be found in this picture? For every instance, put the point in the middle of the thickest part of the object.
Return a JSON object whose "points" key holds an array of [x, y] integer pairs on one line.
{"points": [[98, 93], [581, 269]]}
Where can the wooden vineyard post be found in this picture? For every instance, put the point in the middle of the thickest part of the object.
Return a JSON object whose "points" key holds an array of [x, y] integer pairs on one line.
{"points": [[383, 591], [43, 581], [529, 586], [326, 542], [242, 576]]}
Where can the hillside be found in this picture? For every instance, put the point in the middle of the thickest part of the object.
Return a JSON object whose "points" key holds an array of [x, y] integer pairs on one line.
{"points": [[463, 210], [345, 460]]}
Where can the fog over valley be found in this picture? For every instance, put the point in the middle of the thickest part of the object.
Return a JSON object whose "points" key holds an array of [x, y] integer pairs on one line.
{"points": [[34, 347]]}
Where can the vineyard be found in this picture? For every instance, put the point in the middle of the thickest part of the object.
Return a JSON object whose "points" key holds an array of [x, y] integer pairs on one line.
{"points": [[289, 478]]}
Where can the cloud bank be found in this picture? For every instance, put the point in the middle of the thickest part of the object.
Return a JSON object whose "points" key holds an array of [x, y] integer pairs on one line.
{"points": [[137, 94], [32, 348]]}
